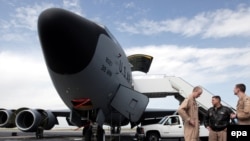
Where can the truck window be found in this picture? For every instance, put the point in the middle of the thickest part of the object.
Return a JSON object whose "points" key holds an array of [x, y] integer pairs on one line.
{"points": [[162, 120], [173, 121]]}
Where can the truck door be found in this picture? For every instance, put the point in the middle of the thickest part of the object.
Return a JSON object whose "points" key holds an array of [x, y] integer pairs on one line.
{"points": [[173, 127]]}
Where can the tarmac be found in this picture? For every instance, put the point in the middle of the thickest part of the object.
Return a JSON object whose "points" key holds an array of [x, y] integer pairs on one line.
{"points": [[61, 135], [64, 135]]}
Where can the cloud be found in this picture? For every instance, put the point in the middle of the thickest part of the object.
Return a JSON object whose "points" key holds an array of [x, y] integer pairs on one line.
{"points": [[217, 24], [4, 24], [73, 6], [21, 25], [227, 23], [25, 82], [26, 17], [12, 37], [199, 65], [129, 5]]}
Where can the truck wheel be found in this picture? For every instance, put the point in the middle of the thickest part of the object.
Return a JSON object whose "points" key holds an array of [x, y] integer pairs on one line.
{"points": [[153, 137]]}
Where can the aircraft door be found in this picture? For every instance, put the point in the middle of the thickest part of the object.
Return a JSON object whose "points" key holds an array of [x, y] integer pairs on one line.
{"points": [[130, 103]]}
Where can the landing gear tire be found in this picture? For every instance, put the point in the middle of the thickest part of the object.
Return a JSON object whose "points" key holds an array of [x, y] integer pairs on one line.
{"points": [[100, 134], [117, 131], [87, 133], [39, 133], [112, 130]]}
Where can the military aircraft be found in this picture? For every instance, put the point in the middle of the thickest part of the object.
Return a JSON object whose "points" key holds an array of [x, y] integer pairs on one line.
{"points": [[89, 70]]}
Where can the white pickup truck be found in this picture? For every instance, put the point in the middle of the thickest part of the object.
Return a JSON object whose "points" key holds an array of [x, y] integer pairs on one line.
{"points": [[170, 127]]}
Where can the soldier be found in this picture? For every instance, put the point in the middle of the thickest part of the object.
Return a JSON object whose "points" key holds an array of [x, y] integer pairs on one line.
{"points": [[243, 106], [217, 120], [188, 110]]}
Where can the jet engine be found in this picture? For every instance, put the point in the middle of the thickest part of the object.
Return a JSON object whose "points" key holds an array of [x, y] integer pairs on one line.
{"points": [[7, 118], [29, 120]]}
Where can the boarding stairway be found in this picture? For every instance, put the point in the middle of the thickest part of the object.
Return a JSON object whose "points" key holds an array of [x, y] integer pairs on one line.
{"points": [[155, 87]]}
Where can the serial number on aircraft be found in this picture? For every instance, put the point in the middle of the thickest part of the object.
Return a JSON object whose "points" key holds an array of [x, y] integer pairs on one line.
{"points": [[107, 71], [122, 69], [105, 67]]}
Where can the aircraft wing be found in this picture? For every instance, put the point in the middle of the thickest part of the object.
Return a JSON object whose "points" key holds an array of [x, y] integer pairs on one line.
{"points": [[36, 117], [61, 113]]}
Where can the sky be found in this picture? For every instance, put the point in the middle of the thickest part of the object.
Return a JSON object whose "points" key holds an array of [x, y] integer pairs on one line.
{"points": [[204, 42]]}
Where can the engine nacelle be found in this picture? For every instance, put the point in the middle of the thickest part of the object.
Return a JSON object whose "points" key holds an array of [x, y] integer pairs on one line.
{"points": [[7, 118], [29, 120]]}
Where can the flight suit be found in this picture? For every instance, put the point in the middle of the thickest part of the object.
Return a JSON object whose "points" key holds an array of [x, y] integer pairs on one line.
{"points": [[188, 110], [243, 110]]}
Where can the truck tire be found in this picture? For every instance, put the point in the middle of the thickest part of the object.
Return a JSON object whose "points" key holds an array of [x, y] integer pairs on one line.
{"points": [[153, 136]]}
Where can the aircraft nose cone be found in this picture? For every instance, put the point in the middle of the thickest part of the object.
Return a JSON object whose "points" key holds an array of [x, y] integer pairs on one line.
{"points": [[68, 41]]}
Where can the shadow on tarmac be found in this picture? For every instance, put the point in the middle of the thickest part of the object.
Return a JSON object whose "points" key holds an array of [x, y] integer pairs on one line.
{"points": [[55, 135]]}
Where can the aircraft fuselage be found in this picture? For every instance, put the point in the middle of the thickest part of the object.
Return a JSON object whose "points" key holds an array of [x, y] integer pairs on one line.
{"points": [[84, 61]]}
